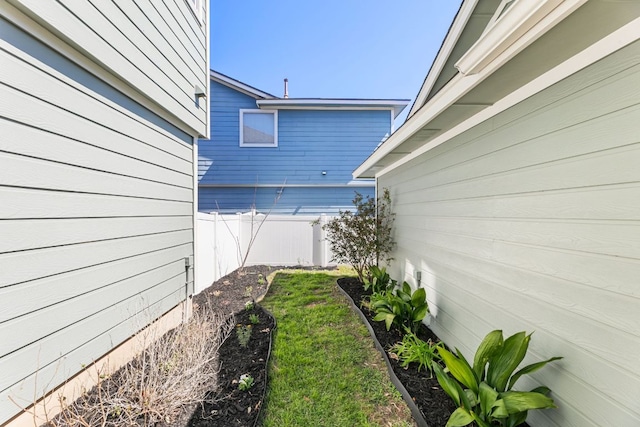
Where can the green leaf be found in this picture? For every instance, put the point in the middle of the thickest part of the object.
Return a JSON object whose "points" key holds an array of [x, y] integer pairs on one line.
{"points": [[516, 419], [542, 390], [499, 409], [480, 421], [460, 418], [419, 313], [447, 383], [502, 365], [418, 297], [459, 369], [490, 345], [529, 369], [519, 401], [488, 397]]}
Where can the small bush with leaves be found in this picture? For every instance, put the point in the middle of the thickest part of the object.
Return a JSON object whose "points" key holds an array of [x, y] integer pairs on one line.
{"points": [[249, 305], [483, 393], [362, 238], [379, 280], [243, 332], [402, 307], [414, 350]]}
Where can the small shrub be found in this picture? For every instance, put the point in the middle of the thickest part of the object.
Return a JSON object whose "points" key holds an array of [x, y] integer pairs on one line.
{"points": [[483, 393], [247, 291], [414, 350], [261, 280], [402, 307], [243, 332], [254, 319], [246, 382], [248, 305], [362, 238]]}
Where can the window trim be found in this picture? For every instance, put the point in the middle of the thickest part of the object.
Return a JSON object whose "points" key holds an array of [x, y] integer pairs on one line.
{"points": [[274, 113]]}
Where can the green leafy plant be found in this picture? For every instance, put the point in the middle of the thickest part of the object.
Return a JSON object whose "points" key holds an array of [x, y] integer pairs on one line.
{"points": [[483, 393], [362, 238], [243, 332], [246, 382], [414, 350], [254, 319], [400, 307], [379, 280], [247, 291], [261, 280], [248, 305]]}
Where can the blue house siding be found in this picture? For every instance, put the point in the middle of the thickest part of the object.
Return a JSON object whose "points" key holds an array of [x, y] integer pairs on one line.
{"points": [[292, 200], [318, 148]]}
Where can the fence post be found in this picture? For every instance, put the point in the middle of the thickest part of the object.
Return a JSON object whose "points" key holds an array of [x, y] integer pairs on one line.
{"points": [[216, 257], [322, 241]]}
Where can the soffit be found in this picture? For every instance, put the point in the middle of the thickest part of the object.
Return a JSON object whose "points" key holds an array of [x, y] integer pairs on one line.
{"points": [[592, 21]]}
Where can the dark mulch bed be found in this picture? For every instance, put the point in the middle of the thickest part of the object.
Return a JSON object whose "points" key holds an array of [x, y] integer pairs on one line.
{"points": [[232, 406]]}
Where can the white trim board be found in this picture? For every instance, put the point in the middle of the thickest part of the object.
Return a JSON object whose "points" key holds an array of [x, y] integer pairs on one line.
{"points": [[613, 42], [395, 105]]}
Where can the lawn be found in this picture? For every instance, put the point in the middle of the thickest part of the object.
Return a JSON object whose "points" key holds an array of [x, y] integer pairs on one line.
{"points": [[324, 369]]}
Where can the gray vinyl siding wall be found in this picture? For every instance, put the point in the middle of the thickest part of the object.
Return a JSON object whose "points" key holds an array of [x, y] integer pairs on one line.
{"points": [[531, 221], [96, 205]]}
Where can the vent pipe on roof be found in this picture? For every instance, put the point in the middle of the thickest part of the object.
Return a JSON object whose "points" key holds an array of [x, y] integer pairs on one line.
{"points": [[286, 88]]}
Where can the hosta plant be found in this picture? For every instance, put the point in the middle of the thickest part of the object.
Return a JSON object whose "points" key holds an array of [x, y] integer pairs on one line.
{"points": [[483, 392], [402, 307]]}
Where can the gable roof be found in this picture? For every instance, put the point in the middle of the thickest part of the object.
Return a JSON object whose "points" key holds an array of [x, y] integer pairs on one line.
{"points": [[266, 101], [239, 86], [487, 64]]}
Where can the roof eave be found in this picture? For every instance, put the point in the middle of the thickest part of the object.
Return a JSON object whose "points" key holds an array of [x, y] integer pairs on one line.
{"points": [[397, 105], [461, 84]]}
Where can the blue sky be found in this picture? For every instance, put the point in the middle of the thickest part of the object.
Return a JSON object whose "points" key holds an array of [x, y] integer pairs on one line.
{"points": [[329, 48]]}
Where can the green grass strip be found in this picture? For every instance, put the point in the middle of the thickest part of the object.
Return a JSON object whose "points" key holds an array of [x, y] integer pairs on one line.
{"points": [[324, 369]]}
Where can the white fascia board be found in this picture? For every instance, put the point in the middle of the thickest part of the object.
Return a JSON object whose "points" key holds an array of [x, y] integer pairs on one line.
{"points": [[397, 105], [450, 41], [239, 86], [461, 84], [615, 41], [509, 29]]}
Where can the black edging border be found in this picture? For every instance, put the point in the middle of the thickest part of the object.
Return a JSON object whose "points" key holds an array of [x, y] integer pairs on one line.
{"points": [[415, 411]]}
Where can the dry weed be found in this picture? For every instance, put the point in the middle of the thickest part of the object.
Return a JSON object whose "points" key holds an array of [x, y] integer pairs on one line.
{"points": [[172, 374]]}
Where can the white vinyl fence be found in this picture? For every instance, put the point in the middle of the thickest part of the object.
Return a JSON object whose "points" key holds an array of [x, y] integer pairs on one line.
{"points": [[223, 241]]}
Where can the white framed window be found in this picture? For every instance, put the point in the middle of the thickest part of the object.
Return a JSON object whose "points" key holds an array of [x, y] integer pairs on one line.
{"points": [[258, 128]]}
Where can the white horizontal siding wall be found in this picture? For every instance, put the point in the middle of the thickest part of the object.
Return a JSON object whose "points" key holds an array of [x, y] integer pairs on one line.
{"points": [[157, 48], [531, 221], [96, 209]]}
